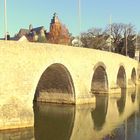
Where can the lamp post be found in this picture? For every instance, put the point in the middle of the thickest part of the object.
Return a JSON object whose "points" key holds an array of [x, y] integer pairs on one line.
{"points": [[110, 23], [5, 19], [137, 50], [79, 21], [126, 41]]}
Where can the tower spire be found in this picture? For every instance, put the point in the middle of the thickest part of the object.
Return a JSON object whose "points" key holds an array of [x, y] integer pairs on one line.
{"points": [[79, 20], [110, 24], [55, 18]]}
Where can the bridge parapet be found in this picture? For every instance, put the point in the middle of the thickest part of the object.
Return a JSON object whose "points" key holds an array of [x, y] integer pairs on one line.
{"points": [[75, 70]]}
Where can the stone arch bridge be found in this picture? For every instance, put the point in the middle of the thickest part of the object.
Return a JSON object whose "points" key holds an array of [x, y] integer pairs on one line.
{"points": [[56, 73]]}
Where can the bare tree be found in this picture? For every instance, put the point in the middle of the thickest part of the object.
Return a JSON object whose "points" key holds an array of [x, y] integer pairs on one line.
{"points": [[129, 30], [120, 36], [120, 32], [117, 30], [94, 38], [95, 32], [128, 38]]}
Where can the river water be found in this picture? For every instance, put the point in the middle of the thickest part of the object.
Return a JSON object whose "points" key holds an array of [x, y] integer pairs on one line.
{"points": [[113, 117]]}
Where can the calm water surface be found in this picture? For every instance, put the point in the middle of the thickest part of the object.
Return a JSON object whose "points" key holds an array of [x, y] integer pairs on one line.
{"points": [[113, 117]]}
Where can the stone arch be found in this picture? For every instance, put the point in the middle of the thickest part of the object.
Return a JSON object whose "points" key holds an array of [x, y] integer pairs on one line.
{"points": [[99, 64], [99, 82], [55, 85], [133, 76], [121, 77]]}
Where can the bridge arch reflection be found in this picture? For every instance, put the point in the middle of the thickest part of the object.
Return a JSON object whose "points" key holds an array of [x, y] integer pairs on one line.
{"points": [[133, 76], [99, 113], [121, 101], [53, 121]]}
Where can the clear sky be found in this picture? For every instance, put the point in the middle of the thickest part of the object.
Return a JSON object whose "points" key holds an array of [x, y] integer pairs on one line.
{"points": [[94, 13]]}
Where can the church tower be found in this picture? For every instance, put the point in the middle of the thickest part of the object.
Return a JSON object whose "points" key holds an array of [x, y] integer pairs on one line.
{"points": [[55, 19], [58, 32], [55, 24]]}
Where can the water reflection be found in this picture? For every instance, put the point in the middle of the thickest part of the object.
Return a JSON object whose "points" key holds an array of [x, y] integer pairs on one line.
{"points": [[99, 113], [128, 130], [108, 119], [133, 96], [53, 121], [121, 101], [119, 132]]}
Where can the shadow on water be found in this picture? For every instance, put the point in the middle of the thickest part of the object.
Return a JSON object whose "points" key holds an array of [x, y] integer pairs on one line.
{"points": [[99, 113], [53, 121]]}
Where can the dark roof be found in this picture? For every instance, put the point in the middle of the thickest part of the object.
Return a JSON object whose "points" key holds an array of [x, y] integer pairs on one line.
{"points": [[38, 29], [28, 32], [23, 32]]}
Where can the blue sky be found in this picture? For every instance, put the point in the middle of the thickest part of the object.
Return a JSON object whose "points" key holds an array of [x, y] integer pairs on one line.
{"points": [[94, 13]]}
